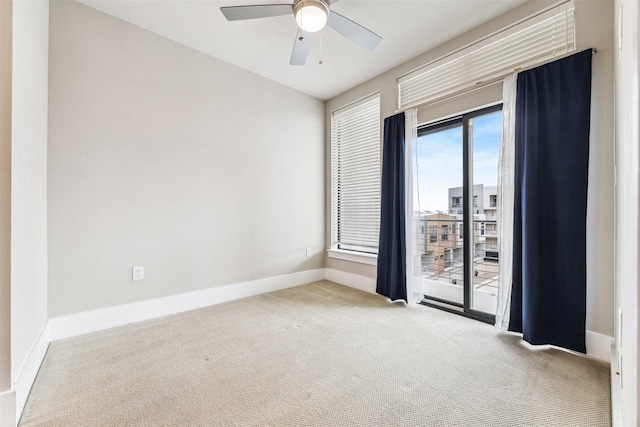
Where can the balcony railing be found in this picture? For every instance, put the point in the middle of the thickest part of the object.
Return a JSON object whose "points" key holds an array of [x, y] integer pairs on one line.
{"points": [[442, 259]]}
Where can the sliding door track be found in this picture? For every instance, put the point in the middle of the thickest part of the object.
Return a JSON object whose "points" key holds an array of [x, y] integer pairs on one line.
{"points": [[455, 308]]}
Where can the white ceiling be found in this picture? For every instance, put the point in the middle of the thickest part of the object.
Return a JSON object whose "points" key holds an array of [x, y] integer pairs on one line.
{"points": [[263, 46]]}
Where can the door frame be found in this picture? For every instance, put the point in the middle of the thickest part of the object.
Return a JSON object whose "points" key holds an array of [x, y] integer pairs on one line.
{"points": [[464, 309]]}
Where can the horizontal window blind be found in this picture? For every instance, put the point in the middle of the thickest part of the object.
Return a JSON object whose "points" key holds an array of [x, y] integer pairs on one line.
{"points": [[537, 40], [355, 176]]}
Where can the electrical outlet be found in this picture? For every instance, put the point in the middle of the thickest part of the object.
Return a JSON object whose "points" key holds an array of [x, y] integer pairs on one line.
{"points": [[308, 252], [138, 273]]}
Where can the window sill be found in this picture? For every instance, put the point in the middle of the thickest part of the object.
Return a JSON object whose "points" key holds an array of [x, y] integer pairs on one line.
{"points": [[362, 258]]}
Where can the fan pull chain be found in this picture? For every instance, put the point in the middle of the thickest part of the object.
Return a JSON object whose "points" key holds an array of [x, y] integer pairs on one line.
{"points": [[320, 61]]}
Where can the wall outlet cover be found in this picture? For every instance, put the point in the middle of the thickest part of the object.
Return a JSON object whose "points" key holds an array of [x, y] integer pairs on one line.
{"points": [[138, 273]]}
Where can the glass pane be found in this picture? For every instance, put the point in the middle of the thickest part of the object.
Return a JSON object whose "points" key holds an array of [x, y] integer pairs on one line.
{"points": [[438, 199], [485, 133]]}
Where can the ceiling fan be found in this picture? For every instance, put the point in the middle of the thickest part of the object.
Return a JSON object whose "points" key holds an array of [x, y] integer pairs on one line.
{"points": [[311, 16]]}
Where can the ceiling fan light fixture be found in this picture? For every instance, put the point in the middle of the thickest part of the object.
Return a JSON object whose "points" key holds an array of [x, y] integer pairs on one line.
{"points": [[311, 15]]}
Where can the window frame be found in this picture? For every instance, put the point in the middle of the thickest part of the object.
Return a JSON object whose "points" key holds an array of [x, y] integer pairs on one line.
{"points": [[433, 233]]}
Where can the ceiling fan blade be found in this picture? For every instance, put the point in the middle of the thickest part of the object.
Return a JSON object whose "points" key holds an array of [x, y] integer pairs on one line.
{"points": [[354, 32], [300, 48], [238, 13]]}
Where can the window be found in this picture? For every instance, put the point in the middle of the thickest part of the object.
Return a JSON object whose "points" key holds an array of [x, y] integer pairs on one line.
{"points": [[433, 235], [445, 232], [355, 176], [482, 228], [493, 200], [456, 202]]}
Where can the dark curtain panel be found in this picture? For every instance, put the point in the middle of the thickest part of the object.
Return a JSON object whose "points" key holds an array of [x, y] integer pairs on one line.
{"points": [[392, 279], [548, 300]]}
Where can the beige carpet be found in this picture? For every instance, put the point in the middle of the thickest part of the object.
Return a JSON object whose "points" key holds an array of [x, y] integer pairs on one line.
{"points": [[316, 355]]}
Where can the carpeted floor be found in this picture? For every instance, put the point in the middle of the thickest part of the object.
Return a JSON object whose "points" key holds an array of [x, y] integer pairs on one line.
{"points": [[315, 355]]}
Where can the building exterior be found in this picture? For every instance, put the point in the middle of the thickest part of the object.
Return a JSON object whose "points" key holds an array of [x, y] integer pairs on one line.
{"points": [[441, 234], [485, 201], [441, 238]]}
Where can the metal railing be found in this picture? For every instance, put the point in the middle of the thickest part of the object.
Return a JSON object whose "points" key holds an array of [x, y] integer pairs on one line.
{"points": [[443, 260]]}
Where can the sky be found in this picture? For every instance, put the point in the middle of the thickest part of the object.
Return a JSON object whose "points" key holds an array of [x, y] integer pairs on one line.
{"points": [[439, 160]]}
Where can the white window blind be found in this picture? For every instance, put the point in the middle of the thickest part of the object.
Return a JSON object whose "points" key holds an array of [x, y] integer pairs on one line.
{"points": [[534, 41], [355, 176]]}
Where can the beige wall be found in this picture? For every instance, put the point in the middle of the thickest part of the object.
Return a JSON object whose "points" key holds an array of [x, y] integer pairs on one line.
{"points": [[6, 28], [594, 28], [29, 177], [627, 109], [161, 156]]}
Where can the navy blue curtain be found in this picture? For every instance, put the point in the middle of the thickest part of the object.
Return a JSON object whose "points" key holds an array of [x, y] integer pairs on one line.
{"points": [[392, 261], [548, 300]]}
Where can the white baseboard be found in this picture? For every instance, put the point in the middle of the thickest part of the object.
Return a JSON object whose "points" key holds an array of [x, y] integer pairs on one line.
{"points": [[599, 346], [363, 283], [12, 401], [8, 409], [30, 367], [109, 317], [616, 402]]}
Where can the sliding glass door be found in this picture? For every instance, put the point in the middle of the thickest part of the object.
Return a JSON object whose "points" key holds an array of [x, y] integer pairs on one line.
{"points": [[456, 177], [439, 180]]}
